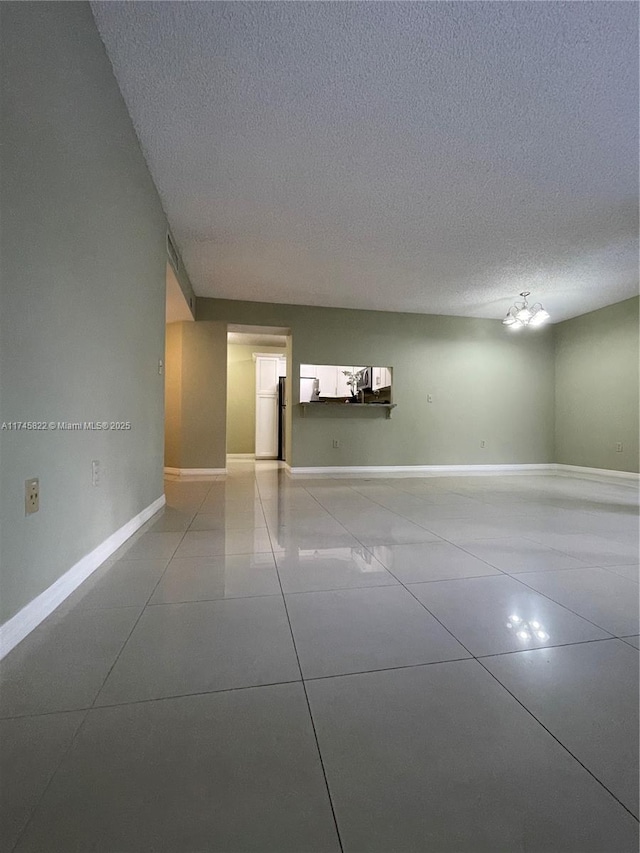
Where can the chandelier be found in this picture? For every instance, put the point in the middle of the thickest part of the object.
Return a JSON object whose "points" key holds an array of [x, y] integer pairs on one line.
{"points": [[521, 314]]}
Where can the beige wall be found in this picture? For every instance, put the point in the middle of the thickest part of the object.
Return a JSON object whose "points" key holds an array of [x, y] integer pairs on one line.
{"points": [[173, 395], [241, 396], [486, 384], [597, 388], [196, 404], [204, 395], [83, 264]]}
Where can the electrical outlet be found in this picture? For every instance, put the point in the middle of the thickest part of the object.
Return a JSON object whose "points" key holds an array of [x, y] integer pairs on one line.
{"points": [[429, 398], [483, 443], [95, 472], [619, 447], [336, 443], [31, 496]]}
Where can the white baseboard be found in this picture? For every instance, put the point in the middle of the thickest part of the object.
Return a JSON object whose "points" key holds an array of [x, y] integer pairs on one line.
{"points": [[577, 470], [461, 471], [241, 455], [192, 473], [423, 470], [17, 628]]}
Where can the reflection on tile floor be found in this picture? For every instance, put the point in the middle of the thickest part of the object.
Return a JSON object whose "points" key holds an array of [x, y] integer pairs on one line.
{"points": [[382, 664]]}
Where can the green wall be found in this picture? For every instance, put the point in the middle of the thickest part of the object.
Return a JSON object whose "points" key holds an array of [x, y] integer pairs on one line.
{"points": [[487, 385], [83, 298], [241, 399], [597, 388]]}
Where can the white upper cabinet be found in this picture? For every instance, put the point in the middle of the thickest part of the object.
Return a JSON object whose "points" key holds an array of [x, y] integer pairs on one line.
{"points": [[381, 377], [328, 378], [266, 375]]}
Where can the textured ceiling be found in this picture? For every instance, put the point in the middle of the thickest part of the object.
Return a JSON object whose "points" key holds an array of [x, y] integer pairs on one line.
{"points": [[257, 340], [434, 157]]}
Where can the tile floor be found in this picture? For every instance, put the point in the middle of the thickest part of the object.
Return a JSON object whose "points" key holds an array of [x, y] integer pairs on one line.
{"points": [[394, 665]]}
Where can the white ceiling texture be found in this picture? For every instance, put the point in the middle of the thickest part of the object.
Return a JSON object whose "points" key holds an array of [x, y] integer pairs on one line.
{"points": [[433, 157]]}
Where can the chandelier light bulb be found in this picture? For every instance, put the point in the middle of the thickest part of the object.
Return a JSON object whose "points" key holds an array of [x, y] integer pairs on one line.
{"points": [[521, 314], [539, 317]]}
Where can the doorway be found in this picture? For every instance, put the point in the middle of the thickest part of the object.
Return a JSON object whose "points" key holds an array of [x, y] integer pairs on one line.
{"points": [[258, 383]]}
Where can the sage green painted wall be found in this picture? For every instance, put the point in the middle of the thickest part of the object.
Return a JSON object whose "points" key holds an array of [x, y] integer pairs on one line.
{"points": [[487, 384], [597, 381], [83, 298], [241, 396]]}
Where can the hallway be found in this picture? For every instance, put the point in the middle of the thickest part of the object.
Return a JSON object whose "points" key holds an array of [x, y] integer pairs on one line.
{"points": [[391, 664]]}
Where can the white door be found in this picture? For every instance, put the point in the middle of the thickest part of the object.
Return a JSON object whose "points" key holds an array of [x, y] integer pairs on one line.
{"points": [[267, 370]]}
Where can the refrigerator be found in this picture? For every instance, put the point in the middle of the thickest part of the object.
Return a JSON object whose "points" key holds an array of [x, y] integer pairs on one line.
{"points": [[282, 405]]}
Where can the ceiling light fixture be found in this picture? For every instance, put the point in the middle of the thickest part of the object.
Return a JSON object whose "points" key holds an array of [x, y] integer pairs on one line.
{"points": [[521, 314]]}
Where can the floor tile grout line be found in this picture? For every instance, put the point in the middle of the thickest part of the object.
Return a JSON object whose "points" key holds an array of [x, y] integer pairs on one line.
{"points": [[505, 537], [476, 657], [612, 571], [461, 518], [569, 609], [436, 542], [565, 569], [311, 678], [448, 630], [89, 708], [54, 773], [306, 695], [567, 554], [211, 600], [137, 621], [196, 693], [223, 554], [558, 741], [470, 657], [418, 524], [322, 765], [515, 577], [426, 608], [439, 538], [557, 603], [553, 646]]}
